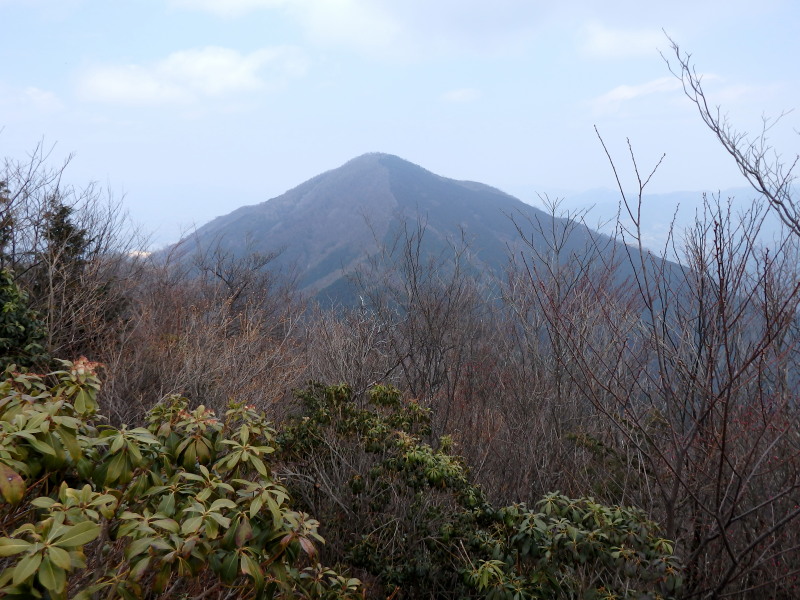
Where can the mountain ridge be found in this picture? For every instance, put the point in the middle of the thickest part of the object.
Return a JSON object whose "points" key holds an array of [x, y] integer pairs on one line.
{"points": [[329, 225]]}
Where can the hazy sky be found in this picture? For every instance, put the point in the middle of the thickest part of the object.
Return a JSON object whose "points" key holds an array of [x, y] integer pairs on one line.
{"points": [[192, 108]]}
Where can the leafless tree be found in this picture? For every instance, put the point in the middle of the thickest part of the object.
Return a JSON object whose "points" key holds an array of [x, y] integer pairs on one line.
{"points": [[73, 249], [762, 166], [700, 389], [350, 345], [436, 312], [212, 329]]}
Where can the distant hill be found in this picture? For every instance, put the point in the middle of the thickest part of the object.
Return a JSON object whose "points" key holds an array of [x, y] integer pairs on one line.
{"points": [[659, 212], [328, 226]]}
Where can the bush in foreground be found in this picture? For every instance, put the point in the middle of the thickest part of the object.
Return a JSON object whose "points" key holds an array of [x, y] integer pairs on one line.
{"points": [[185, 507], [407, 517], [189, 506]]}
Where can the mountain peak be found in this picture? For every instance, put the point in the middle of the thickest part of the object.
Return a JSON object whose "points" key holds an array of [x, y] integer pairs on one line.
{"points": [[378, 160], [329, 225], [372, 157]]}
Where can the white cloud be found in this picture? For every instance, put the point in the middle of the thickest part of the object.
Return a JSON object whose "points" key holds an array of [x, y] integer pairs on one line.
{"points": [[192, 74], [27, 102], [228, 8], [129, 84], [365, 25], [613, 99], [737, 93], [41, 100], [629, 92], [601, 42], [360, 23], [665, 94], [411, 28], [461, 95]]}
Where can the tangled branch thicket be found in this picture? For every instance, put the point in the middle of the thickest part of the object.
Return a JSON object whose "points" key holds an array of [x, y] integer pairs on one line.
{"points": [[667, 383]]}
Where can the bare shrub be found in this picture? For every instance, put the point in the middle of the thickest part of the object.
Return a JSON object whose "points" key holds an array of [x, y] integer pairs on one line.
{"points": [[72, 249], [213, 331], [701, 393]]}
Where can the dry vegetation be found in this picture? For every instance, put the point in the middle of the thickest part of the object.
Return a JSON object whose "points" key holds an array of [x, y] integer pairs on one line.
{"points": [[673, 391]]}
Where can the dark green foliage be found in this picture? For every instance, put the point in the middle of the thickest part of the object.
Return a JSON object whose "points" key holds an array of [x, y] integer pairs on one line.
{"points": [[182, 507], [407, 515], [575, 548], [64, 238], [21, 331], [78, 281], [59, 262], [6, 222], [386, 497]]}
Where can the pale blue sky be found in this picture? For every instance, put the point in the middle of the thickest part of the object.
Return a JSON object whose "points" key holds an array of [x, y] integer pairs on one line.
{"points": [[192, 108]]}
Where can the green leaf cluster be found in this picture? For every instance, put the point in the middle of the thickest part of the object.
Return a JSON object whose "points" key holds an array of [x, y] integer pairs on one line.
{"points": [[22, 333], [574, 548], [192, 503], [405, 513], [184, 505]]}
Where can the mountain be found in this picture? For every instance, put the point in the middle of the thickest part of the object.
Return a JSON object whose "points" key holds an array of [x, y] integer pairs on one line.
{"points": [[328, 226]]}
